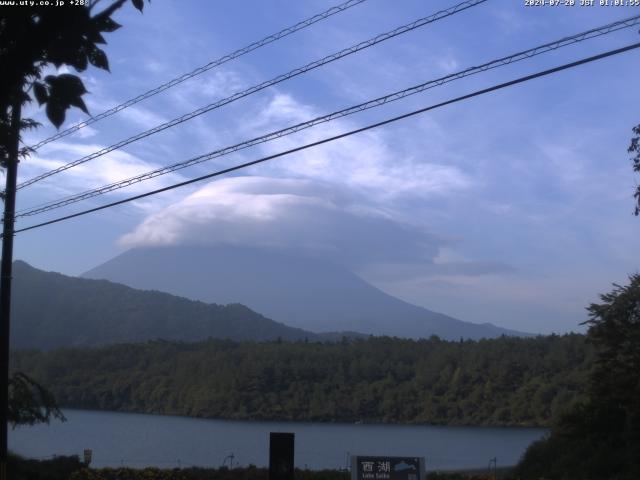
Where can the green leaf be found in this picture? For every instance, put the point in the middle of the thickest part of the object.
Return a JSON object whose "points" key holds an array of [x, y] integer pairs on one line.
{"points": [[139, 4], [79, 103], [40, 92], [95, 36], [64, 91], [66, 85], [107, 25], [68, 49], [98, 58], [79, 60], [55, 113]]}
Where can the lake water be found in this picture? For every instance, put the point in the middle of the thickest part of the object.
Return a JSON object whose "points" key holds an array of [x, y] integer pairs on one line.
{"points": [[166, 441]]}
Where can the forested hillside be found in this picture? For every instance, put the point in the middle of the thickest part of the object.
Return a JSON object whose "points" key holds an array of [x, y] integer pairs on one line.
{"points": [[505, 381], [51, 310]]}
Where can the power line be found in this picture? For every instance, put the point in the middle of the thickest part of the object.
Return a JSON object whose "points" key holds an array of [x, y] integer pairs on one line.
{"points": [[256, 88], [565, 41], [214, 63], [342, 135]]}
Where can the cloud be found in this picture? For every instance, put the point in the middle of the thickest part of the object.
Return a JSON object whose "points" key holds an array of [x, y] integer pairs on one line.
{"points": [[338, 200], [207, 88], [448, 64], [367, 162], [452, 271], [143, 117], [112, 167], [288, 213]]}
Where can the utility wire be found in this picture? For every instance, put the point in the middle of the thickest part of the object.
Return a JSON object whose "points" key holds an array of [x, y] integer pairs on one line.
{"points": [[214, 63], [342, 135], [256, 88], [565, 41]]}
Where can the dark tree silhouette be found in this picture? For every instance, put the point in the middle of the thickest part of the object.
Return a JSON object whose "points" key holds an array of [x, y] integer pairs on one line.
{"points": [[30, 402], [634, 148], [33, 38], [600, 439]]}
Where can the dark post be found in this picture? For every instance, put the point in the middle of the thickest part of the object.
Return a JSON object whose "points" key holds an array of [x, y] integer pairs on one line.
{"points": [[494, 461], [281, 456], [5, 281]]}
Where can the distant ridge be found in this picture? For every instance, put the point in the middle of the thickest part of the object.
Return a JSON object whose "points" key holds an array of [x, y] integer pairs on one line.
{"points": [[299, 291], [51, 310]]}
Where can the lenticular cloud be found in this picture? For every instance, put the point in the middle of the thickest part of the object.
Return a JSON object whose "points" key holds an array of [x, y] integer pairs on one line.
{"points": [[288, 213]]}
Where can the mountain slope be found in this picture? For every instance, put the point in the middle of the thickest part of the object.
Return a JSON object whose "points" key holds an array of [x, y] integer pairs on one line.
{"points": [[299, 291], [51, 310]]}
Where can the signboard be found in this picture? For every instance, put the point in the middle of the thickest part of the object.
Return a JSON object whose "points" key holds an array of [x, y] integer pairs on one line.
{"points": [[281, 453], [387, 468]]}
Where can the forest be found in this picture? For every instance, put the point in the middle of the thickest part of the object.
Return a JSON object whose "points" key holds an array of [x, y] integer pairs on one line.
{"points": [[599, 438], [506, 381]]}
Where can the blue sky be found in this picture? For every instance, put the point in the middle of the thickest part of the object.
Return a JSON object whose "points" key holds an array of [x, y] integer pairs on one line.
{"points": [[513, 208]]}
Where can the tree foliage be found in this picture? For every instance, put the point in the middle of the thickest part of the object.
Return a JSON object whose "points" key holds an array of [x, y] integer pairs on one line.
{"points": [[70, 468], [614, 327], [57, 468], [600, 438], [30, 402], [33, 38], [634, 148], [505, 381]]}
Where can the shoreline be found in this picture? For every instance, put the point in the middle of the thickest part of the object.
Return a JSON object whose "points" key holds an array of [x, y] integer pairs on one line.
{"points": [[319, 422]]}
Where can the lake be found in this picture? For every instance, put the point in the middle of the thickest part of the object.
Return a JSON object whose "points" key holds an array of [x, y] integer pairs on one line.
{"points": [[138, 440]]}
